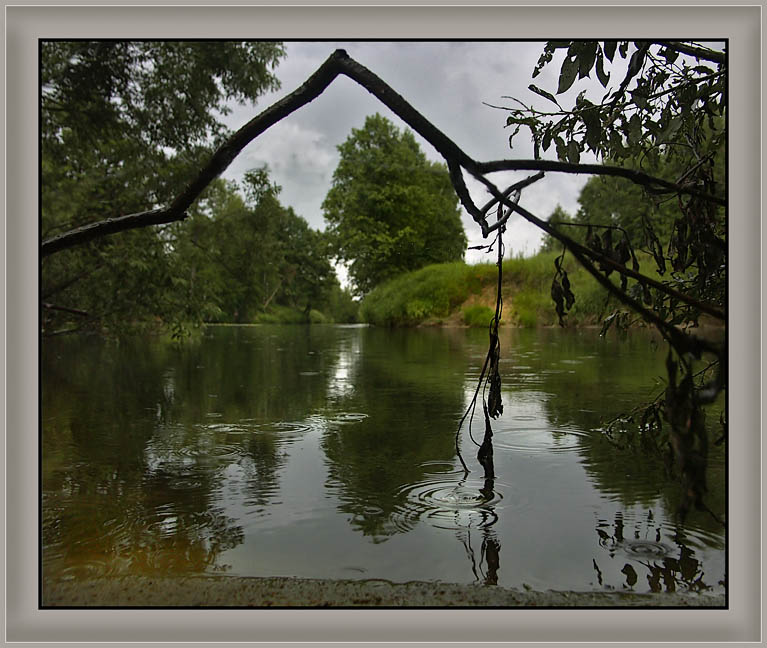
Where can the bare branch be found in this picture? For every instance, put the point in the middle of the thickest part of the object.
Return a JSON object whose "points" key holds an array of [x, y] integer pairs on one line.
{"points": [[110, 226], [517, 185], [222, 158], [652, 183], [66, 309]]}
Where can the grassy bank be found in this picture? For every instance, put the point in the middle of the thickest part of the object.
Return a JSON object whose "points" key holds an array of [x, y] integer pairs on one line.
{"points": [[461, 294]]}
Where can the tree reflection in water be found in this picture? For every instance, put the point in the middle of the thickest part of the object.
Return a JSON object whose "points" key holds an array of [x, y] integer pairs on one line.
{"points": [[158, 457]]}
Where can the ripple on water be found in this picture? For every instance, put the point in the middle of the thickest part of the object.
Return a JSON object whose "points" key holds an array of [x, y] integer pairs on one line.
{"points": [[645, 549], [538, 440], [445, 500], [347, 417], [287, 429]]}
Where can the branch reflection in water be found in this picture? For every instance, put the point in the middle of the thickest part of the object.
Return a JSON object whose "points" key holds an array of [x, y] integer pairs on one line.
{"points": [[486, 572], [664, 571], [319, 451]]}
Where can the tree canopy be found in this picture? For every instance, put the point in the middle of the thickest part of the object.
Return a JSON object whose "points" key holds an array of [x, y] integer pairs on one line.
{"points": [[390, 210], [241, 250], [123, 125]]}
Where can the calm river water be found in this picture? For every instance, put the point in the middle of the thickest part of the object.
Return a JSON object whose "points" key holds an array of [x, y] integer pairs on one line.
{"points": [[328, 452]]}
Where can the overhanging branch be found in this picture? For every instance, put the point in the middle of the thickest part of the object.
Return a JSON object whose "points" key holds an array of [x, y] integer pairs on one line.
{"points": [[681, 341], [652, 183], [340, 63]]}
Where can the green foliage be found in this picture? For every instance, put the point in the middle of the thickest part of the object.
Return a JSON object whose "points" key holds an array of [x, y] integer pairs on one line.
{"points": [[341, 306], [663, 100], [124, 125], [478, 315], [277, 314], [557, 217], [244, 254], [432, 292], [437, 292], [666, 118], [390, 210]]}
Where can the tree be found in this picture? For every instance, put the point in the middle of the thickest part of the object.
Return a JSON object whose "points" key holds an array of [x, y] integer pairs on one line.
{"points": [[673, 108], [238, 254], [123, 125], [665, 124], [390, 210], [557, 217]]}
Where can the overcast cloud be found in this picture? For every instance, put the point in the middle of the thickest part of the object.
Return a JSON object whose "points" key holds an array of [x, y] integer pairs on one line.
{"points": [[447, 82]]}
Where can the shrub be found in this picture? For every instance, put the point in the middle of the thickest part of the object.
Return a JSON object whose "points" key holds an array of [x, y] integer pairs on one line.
{"points": [[478, 315]]}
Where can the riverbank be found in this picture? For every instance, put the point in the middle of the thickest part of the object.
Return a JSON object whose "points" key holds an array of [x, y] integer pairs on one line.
{"points": [[231, 591], [459, 294]]}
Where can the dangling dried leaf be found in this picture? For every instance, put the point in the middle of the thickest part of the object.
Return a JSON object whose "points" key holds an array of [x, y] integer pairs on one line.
{"points": [[646, 295], [593, 242], [485, 453], [655, 247], [623, 251], [494, 404], [569, 297], [557, 294]]}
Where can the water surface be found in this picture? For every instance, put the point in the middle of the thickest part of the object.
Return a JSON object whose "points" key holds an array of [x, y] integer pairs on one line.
{"points": [[328, 452]]}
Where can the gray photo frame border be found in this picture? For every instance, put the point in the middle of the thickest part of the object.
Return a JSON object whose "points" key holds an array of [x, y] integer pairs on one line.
{"points": [[24, 24]]}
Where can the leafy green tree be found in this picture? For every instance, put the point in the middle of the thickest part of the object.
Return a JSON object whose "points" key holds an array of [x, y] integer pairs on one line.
{"points": [[390, 210], [557, 217], [341, 306], [236, 255], [661, 123], [124, 125]]}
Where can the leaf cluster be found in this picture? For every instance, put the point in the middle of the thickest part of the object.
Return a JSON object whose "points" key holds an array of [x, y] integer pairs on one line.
{"points": [[665, 100]]}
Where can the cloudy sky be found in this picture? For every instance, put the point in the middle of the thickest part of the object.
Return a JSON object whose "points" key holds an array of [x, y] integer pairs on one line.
{"points": [[447, 82]]}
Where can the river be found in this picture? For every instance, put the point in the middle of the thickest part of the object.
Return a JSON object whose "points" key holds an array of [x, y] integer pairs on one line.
{"points": [[329, 452]]}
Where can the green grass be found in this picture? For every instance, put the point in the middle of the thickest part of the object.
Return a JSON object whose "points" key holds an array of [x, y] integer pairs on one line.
{"points": [[478, 315], [434, 293], [431, 293]]}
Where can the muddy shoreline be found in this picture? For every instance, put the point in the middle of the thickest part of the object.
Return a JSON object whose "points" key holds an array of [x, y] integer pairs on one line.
{"points": [[231, 591]]}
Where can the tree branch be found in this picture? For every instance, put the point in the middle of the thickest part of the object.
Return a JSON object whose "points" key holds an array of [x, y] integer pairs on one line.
{"points": [[340, 63], [653, 184], [681, 341], [221, 159], [96, 230], [74, 311], [691, 50]]}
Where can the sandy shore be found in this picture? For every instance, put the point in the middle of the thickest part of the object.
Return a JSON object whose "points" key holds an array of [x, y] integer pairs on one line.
{"points": [[230, 591]]}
